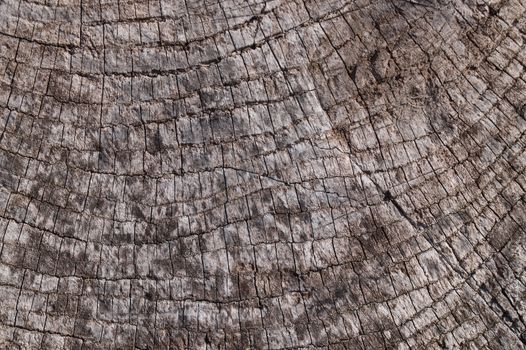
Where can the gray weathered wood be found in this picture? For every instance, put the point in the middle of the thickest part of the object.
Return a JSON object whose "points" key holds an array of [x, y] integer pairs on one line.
{"points": [[344, 174]]}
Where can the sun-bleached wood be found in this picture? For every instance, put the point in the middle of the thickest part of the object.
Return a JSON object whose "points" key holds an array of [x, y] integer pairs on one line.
{"points": [[342, 174]]}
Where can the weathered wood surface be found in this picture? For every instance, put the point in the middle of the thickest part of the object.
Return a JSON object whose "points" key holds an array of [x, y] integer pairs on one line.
{"points": [[278, 174]]}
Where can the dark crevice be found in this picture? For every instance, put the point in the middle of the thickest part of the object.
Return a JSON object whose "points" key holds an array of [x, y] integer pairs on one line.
{"points": [[388, 197]]}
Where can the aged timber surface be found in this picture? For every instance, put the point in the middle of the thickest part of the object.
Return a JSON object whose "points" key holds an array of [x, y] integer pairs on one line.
{"points": [[342, 174]]}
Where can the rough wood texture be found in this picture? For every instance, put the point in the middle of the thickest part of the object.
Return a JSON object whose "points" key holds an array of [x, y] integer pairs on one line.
{"points": [[279, 174]]}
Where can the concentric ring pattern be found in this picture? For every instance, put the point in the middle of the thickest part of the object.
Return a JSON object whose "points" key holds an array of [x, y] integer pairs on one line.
{"points": [[343, 174]]}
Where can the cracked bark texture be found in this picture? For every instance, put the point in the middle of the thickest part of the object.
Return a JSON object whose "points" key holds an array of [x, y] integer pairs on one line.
{"points": [[343, 174]]}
